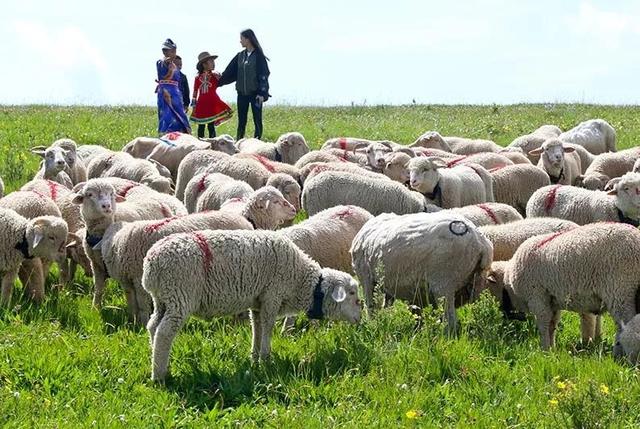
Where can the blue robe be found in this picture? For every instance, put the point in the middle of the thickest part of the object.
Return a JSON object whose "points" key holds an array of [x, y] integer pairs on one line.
{"points": [[171, 116]]}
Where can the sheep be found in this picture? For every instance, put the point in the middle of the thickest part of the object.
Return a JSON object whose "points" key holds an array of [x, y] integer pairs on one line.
{"points": [[420, 257], [488, 213], [515, 184], [583, 206], [562, 169], [220, 189], [332, 188], [42, 237], [288, 186], [516, 155], [196, 186], [75, 168], [98, 198], [315, 168], [87, 152], [223, 143], [376, 152], [450, 187], [630, 339], [507, 237], [586, 157], [457, 145], [289, 148], [265, 208], [318, 156], [595, 135], [534, 140], [125, 166], [261, 270], [607, 166], [487, 160], [272, 167], [346, 143], [349, 156], [53, 165], [124, 245], [397, 167], [546, 275]]}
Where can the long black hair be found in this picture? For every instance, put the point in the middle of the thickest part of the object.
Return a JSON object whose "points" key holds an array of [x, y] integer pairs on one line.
{"points": [[249, 34]]}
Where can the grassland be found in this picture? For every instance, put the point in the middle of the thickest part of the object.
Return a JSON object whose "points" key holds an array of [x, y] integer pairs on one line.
{"points": [[64, 364]]}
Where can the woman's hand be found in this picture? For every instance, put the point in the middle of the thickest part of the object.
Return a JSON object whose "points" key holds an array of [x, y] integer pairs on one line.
{"points": [[217, 75], [193, 102], [259, 100]]}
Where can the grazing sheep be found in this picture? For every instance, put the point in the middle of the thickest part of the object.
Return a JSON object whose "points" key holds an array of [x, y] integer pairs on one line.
{"points": [[515, 184], [507, 237], [547, 274], [43, 237], [53, 165], [333, 188], [562, 169], [125, 166], [289, 148], [488, 213], [220, 189], [421, 257], [583, 206], [288, 186], [265, 208], [124, 245], [607, 166], [450, 187], [261, 271], [595, 135], [315, 168], [534, 140], [98, 199]]}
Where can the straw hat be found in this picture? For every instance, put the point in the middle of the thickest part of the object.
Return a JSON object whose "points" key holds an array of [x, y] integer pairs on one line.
{"points": [[204, 56]]}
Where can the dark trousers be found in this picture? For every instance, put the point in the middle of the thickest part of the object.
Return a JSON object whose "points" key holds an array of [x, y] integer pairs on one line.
{"points": [[212, 130], [243, 110]]}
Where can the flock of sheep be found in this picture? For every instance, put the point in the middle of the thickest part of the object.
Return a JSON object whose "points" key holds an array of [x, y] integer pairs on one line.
{"points": [[545, 224]]}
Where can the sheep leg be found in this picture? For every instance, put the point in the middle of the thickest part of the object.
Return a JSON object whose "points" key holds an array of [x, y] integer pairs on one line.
{"points": [[587, 327], [99, 280], [288, 324], [155, 319], [622, 310], [268, 321], [369, 287], [553, 324], [8, 279], [450, 313], [256, 332], [165, 333], [598, 328], [144, 304], [130, 294], [31, 275]]}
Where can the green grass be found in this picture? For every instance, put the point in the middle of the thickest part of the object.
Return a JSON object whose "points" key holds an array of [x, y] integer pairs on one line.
{"points": [[64, 364]]}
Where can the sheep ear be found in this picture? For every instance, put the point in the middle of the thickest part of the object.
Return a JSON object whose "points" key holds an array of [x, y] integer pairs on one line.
{"points": [[73, 240], [568, 149], [77, 199], [37, 237], [537, 151], [439, 162], [492, 278], [38, 150], [78, 187], [120, 199], [407, 151], [612, 192], [339, 294], [359, 145]]}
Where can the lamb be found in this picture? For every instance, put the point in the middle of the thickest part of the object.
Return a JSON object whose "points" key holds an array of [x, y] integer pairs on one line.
{"points": [[607, 166], [583, 206], [488, 213], [124, 245], [265, 208], [125, 166], [515, 184], [98, 199], [315, 168], [450, 187], [421, 257], [562, 169], [53, 165], [546, 275], [220, 188], [289, 148], [457, 145], [595, 135], [263, 271], [43, 237], [506, 238], [288, 186], [534, 140], [332, 188]]}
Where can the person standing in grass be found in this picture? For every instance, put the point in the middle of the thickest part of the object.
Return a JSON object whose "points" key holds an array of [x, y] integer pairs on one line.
{"points": [[250, 71], [208, 108], [171, 114], [184, 83]]}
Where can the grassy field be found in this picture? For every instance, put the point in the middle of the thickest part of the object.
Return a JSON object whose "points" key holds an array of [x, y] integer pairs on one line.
{"points": [[64, 364]]}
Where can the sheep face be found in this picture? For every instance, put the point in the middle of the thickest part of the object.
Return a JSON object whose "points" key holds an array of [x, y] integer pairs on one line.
{"points": [[433, 140], [273, 205], [70, 147], [552, 155], [627, 192], [376, 153], [397, 167], [341, 301], [593, 182], [423, 174], [47, 237], [98, 199], [223, 143], [630, 339], [161, 184], [291, 193], [54, 159], [292, 146]]}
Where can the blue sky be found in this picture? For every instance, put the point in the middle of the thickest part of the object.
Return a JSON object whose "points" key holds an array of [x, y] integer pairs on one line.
{"points": [[330, 52]]}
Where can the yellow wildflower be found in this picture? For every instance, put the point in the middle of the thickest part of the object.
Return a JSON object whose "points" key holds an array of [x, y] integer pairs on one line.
{"points": [[412, 414], [561, 385], [604, 389], [553, 402]]}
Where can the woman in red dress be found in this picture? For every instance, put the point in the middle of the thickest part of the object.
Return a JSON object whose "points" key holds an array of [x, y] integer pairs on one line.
{"points": [[208, 108]]}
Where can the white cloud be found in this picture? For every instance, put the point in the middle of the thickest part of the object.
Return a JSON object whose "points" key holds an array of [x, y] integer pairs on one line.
{"points": [[605, 27]]}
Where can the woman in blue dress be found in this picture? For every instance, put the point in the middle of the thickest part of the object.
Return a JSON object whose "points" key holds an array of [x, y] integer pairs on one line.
{"points": [[171, 114]]}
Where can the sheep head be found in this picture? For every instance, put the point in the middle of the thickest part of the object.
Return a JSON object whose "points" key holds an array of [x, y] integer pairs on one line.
{"points": [[397, 167], [627, 193], [292, 146], [54, 159], [497, 283], [98, 198], [288, 186], [592, 181], [552, 154], [70, 147], [47, 237], [424, 174], [341, 301], [433, 140], [224, 143], [267, 208]]}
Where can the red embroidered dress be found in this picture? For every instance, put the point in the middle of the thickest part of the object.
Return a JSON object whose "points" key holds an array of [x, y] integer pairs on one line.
{"points": [[209, 106]]}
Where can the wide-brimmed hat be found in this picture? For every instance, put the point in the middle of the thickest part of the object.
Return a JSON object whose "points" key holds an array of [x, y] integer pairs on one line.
{"points": [[168, 44], [204, 56]]}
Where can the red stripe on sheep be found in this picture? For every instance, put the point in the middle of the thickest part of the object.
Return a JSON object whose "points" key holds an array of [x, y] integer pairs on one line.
{"points": [[456, 161], [546, 241], [265, 162], [53, 189], [156, 226], [207, 256], [489, 212], [550, 200]]}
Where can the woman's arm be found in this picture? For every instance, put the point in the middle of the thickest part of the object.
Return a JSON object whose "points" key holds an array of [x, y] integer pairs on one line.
{"points": [[262, 71], [230, 74]]}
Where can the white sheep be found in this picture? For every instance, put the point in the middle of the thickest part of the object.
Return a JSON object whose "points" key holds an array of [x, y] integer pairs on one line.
{"points": [[220, 189], [199, 184], [534, 140], [516, 155], [345, 143], [547, 274], [273, 167], [560, 162], [487, 160], [595, 135], [332, 188], [582, 206], [488, 213], [607, 166], [265, 208], [376, 152], [288, 186], [421, 257], [450, 187], [89, 151], [289, 148], [53, 165], [586, 157], [332, 155], [125, 166], [313, 169], [261, 271], [457, 145], [515, 184], [630, 339], [75, 168], [42, 237]]}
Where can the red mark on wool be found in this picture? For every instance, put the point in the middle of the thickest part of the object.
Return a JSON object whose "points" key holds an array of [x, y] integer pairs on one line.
{"points": [[124, 191], [165, 210], [550, 200], [41, 195], [344, 156], [207, 256], [494, 169], [173, 136], [348, 212], [319, 169], [343, 143], [53, 189], [456, 161], [489, 212], [265, 162], [546, 241], [202, 183], [156, 226]]}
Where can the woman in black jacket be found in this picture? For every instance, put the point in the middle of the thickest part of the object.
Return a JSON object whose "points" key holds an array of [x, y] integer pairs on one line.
{"points": [[249, 70]]}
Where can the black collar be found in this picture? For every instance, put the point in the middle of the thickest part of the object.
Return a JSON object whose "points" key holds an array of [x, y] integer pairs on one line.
{"points": [[253, 224], [92, 240], [23, 247], [555, 180], [278, 156], [437, 192], [315, 311], [627, 220]]}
